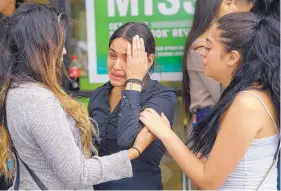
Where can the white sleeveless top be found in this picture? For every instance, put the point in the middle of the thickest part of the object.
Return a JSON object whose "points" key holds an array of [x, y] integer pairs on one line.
{"points": [[252, 168]]}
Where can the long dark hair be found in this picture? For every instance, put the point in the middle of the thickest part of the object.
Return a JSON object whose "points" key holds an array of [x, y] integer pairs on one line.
{"points": [[205, 12], [257, 40], [131, 29], [31, 44], [267, 8]]}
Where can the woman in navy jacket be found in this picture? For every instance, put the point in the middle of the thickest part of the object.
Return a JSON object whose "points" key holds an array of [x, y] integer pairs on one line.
{"points": [[116, 105]]}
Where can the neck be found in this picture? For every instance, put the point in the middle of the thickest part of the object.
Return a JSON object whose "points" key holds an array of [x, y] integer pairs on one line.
{"points": [[226, 82], [114, 97], [10, 10], [116, 92]]}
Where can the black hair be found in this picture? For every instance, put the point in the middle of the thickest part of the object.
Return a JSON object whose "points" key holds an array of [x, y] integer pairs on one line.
{"points": [[266, 8], [258, 42], [131, 29], [31, 42]]}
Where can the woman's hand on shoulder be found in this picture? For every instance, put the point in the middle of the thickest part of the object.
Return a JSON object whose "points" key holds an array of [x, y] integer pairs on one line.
{"points": [[158, 125]]}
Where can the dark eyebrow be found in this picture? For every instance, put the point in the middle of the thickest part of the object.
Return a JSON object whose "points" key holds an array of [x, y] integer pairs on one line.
{"points": [[116, 52], [208, 40]]}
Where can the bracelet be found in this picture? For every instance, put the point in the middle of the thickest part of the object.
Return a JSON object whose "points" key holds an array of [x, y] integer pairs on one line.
{"points": [[137, 81], [137, 150]]}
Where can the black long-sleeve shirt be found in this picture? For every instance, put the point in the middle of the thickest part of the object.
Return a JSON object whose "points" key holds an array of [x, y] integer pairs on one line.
{"points": [[119, 129]]}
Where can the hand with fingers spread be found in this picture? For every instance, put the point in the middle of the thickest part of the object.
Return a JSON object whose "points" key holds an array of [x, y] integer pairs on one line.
{"points": [[158, 125], [137, 61]]}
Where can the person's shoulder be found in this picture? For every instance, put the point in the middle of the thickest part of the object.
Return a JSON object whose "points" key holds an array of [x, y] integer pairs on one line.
{"points": [[98, 96], [249, 103], [249, 109], [248, 100], [28, 97], [164, 90], [34, 92], [156, 90], [100, 91]]}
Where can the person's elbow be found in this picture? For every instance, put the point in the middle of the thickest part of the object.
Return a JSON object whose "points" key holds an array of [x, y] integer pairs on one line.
{"points": [[125, 142], [126, 136], [209, 183], [77, 176], [174, 101], [170, 109], [73, 179]]}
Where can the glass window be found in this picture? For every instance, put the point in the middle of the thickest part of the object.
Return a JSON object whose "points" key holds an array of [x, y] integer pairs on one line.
{"points": [[78, 34]]}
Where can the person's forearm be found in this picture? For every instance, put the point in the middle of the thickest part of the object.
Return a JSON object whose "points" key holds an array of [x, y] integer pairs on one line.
{"points": [[186, 160], [128, 123], [133, 154]]}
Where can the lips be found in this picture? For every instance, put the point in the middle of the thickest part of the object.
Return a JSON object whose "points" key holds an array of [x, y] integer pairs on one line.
{"points": [[117, 75], [204, 63]]}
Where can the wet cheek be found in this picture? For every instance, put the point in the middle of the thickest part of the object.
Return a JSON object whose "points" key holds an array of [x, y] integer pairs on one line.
{"points": [[210, 58], [202, 53], [206, 56], [109, 65], [124, 67]]}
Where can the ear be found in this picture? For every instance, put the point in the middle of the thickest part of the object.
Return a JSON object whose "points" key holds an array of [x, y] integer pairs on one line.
{"points": [[225, 7], [233, 58], [228, 2], [150, 60]]}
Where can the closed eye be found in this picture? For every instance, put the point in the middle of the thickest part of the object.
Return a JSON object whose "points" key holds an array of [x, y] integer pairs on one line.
{"points": [[112, 56], [206, 48]]}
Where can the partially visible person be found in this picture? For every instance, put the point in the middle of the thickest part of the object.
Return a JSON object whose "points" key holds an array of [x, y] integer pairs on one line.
{"points": [[267, 8], [262, 8], [117, 104], [233, 6], [240, 138], [201, 93], [46, 133], [7, 8]]}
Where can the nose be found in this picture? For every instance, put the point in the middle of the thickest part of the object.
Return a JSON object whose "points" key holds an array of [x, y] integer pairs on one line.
{"points": [[117, 65], [203, 53]]}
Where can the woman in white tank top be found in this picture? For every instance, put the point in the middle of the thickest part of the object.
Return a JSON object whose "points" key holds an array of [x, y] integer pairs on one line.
{"points": [[240, 137]]}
